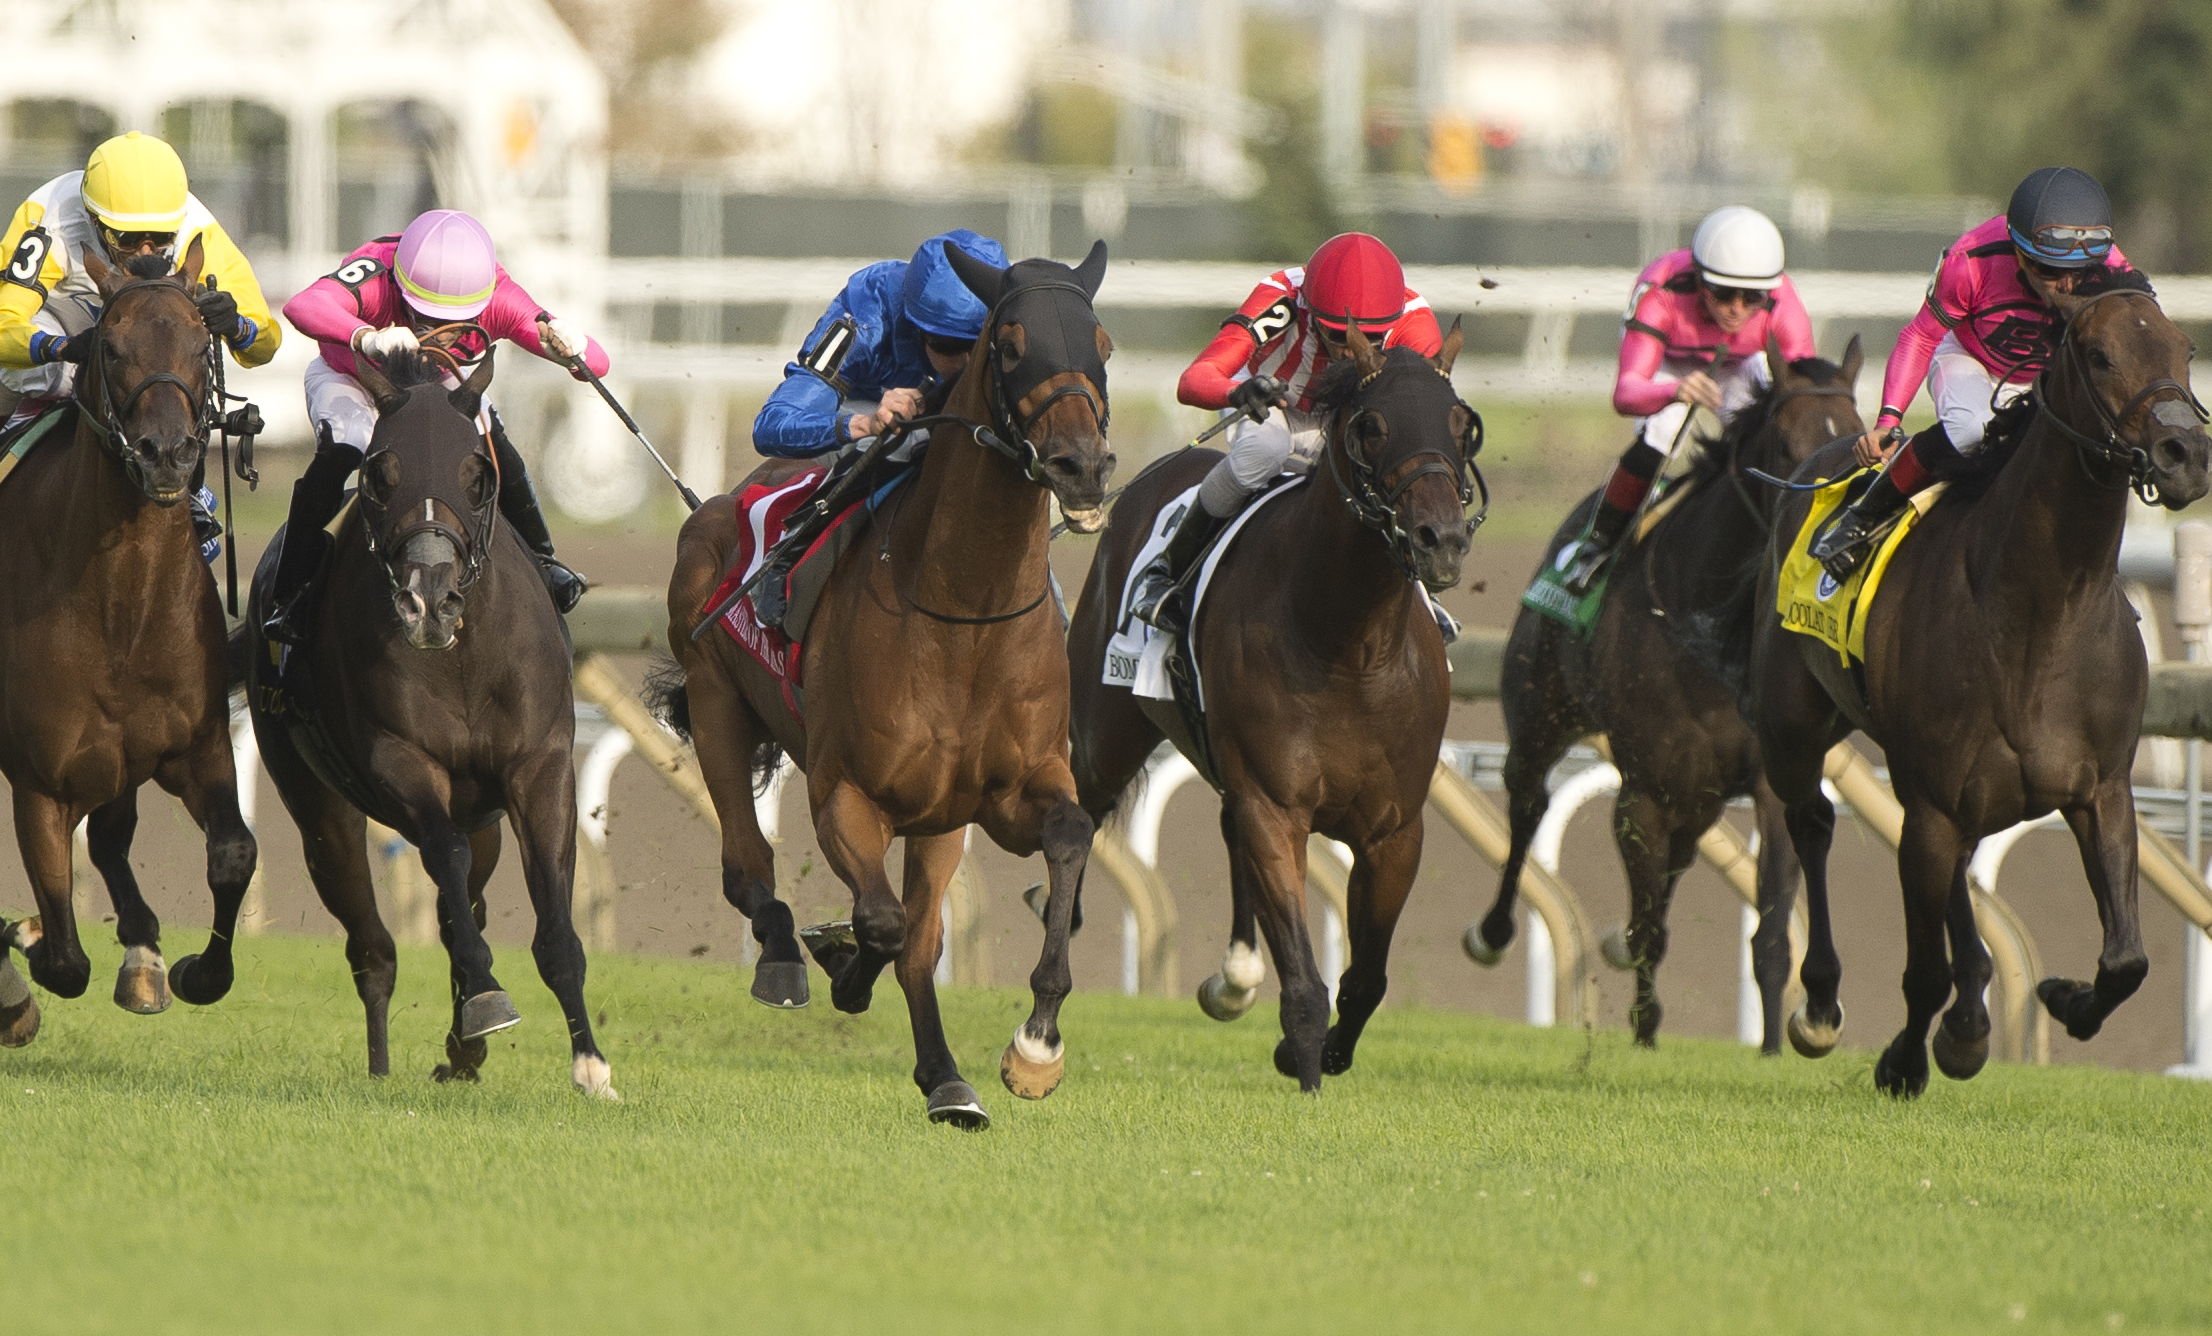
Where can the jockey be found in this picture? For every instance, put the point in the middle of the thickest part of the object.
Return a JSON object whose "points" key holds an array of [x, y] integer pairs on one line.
{"points": [[131, 200], [1979, 340], [1695, 334], [379, 303], [896, 329], [1263, 364]]}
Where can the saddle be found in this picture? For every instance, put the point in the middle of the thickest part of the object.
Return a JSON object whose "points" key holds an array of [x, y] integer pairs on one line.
{"points": [[17, 441], [1812, 602]]}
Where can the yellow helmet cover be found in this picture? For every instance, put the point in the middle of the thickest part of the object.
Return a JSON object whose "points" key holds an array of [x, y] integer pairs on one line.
{"points": [[136, 183]]}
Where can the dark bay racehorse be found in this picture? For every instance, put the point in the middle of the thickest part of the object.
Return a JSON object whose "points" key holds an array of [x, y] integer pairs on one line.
{"points": [[1661, 676], [1325, 676], [434, 733], [2004, 680], [112, 664], [936, 675]]}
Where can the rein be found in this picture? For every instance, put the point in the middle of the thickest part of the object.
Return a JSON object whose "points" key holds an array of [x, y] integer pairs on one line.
{"points": [[472, 539], [107, 416], [1376, 507], [2134, 461]]}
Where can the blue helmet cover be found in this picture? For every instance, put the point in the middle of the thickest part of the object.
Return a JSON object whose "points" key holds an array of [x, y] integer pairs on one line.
{"points": [[934, 298]]}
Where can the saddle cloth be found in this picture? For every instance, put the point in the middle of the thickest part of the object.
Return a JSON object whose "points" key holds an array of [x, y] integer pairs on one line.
{"points": [[1811, 601], [1548, 593], [762, 511], [18, 440]]}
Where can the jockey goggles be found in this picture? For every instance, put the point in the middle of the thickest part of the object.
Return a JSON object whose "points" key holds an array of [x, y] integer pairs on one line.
{"points": [[1727, 296], [2065, 246], [127, 243]]}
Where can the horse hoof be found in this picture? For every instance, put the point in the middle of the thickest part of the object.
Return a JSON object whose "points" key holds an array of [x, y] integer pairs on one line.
{"points": [[487, 1013], [196, 981], [1336, 1055], [446, 1071], [1038, 896], [18, 1009], [1223, 1003], [1959, 1059], [1896, 1083], [1478, 949], [780, 984], [2068, 1002], [142, 985], [1614, 947], [591, 1075], [954, 1102], [1030, 1068], [831, 944], [1813, 1039], [23, 934]]}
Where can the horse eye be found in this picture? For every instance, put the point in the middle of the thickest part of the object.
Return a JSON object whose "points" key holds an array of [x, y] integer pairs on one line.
{"points": [[2098, 360]]}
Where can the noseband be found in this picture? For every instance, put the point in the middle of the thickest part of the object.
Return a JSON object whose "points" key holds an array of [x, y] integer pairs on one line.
{"points": [[470, 533], [2182, 409], [1375, 506], [107, 415]]}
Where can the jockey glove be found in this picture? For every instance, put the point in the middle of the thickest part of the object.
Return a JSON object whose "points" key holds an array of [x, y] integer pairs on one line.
{"points": [[219, 312], [1256, 396], [75, 348]]}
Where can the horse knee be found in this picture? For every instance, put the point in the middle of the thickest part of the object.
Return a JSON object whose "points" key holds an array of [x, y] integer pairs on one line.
{"points": [[880, 927]]}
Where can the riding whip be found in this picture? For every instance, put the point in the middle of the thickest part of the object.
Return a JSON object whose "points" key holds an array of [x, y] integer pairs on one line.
{"points": [[575, 363]]}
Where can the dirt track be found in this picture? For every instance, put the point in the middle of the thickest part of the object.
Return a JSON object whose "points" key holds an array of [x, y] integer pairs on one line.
{"points": [[669, 903]]}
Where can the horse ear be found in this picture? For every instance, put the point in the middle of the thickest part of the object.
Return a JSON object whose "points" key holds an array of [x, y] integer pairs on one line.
{"points": [[195, 256], [1449, 353], [378, 385], [1852, 356], [1092, 271], [101, 272], [1363, 349], [980, 277], [470, 396], [1777, 365]]}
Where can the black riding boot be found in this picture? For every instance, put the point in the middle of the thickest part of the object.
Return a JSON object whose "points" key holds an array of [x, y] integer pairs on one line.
{"points": [[1158, 596], [316, 499], [1849, 538], [518, 501], [1617, 506], [851, 475]]}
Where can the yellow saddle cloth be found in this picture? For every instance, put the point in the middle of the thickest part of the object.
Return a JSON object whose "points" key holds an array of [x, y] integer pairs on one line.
{"points": [[1811, 601]]}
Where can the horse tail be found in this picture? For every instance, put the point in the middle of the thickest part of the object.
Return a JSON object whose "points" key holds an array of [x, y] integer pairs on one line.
{"points": [[668, 696]]}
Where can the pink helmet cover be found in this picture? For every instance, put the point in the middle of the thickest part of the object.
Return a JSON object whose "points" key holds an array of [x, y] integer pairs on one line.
{"points": [[446, 265]]}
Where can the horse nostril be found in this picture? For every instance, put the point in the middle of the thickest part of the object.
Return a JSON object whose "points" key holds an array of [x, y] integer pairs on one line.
{"points": [[410, 605], [2171, 453], [450, 607], [1064, 466]]}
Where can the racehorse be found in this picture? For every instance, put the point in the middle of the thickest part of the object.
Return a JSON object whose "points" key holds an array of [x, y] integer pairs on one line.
{"points": [[936, 679], [1660, 675], [1325, 676], [112, 667], [433, 733], [2004, 678]]}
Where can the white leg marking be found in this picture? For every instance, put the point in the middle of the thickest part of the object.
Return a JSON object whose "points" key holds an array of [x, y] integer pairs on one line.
{"points": [[591, 1074], [1036, 1051], [1241, 967], [144, 957]]}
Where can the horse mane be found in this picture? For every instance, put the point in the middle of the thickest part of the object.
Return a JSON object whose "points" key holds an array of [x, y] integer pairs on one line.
{"points": [[147, 266], [2104, 279], [1715, 454], [407, 370], [1341, 379]]}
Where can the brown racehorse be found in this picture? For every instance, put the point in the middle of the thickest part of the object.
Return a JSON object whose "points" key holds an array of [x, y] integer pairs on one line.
{"points": [[1326, 677], [936, 676], [2004, 679], [436, 730], [1661, 675], [112, 668]]}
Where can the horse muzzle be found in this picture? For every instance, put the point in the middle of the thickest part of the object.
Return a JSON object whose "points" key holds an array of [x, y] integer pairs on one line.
{"points": [[1435, 555], [429, 623], [2181, 468], [1078, 479]]}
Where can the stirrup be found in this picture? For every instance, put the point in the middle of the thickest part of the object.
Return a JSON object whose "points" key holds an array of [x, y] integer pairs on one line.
{"points": [[565, 585], [1148, 600], [288, 624], [1590, 560]]}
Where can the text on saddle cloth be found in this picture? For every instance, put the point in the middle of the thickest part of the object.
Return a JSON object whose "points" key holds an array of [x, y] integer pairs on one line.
{"points": [[1548, 593], [1812, 602]]}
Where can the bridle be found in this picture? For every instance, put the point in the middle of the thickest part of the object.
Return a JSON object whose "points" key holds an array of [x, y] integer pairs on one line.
{"points": [[107, 415], [470, 532], [1769, 411], [2182, 409], [1376, 506]]}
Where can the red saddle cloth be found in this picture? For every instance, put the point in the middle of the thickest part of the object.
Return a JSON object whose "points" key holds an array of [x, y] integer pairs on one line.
{"points": [[762, 510]]}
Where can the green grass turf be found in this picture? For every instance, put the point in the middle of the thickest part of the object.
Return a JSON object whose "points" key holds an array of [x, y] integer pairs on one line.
{"points": [[232, 1170]]}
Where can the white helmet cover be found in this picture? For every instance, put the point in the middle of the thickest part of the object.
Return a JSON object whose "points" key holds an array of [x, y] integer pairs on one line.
{"points": [[1738, 247]]}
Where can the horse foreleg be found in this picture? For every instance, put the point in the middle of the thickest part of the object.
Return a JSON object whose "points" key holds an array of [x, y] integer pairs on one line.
{"points": [[1382, 877], [1034, 1061], [206, 779], [853, 837], [2105, 832], [1930, 861], [541, 803], [142, 984], [1962, 1040], [930, 863], [1654, 857], [1267, 860], [1797, 723], [49, 943], [725, 733], [1528, 761], [480, 1006], [1770, 941], [334, 840], [1230, 991]]}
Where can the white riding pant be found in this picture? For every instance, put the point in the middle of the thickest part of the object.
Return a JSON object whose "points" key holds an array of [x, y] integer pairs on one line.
{"points": [[1739, 386], [338, 399], [1287, 442], [1960, 387]]}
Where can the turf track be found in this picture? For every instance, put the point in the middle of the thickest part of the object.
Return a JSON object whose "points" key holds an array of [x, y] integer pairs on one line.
{"points": [[232, 1171]]}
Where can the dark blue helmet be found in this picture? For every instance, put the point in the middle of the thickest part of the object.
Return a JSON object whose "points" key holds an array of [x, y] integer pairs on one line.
{"points": [[2060, 217], [935, 299]]}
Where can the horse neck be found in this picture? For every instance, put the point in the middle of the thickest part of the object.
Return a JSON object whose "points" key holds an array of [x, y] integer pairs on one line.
{"points": [[976, 533], [2051, 527], [100, 505], [1349, 594]]}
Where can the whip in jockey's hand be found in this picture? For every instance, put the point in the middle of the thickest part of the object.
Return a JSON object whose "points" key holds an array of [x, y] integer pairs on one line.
{"points": [[894, 406]]}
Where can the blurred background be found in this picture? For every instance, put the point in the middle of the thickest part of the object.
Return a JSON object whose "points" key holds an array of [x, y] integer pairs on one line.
{"points": [[691, 180]]}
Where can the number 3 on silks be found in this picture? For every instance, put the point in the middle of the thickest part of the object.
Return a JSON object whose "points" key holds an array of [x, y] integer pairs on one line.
{"points": [[30, 259]]}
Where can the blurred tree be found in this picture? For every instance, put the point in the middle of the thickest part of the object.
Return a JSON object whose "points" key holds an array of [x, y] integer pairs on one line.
{"points": [[1294, 210], [648, 50]]}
